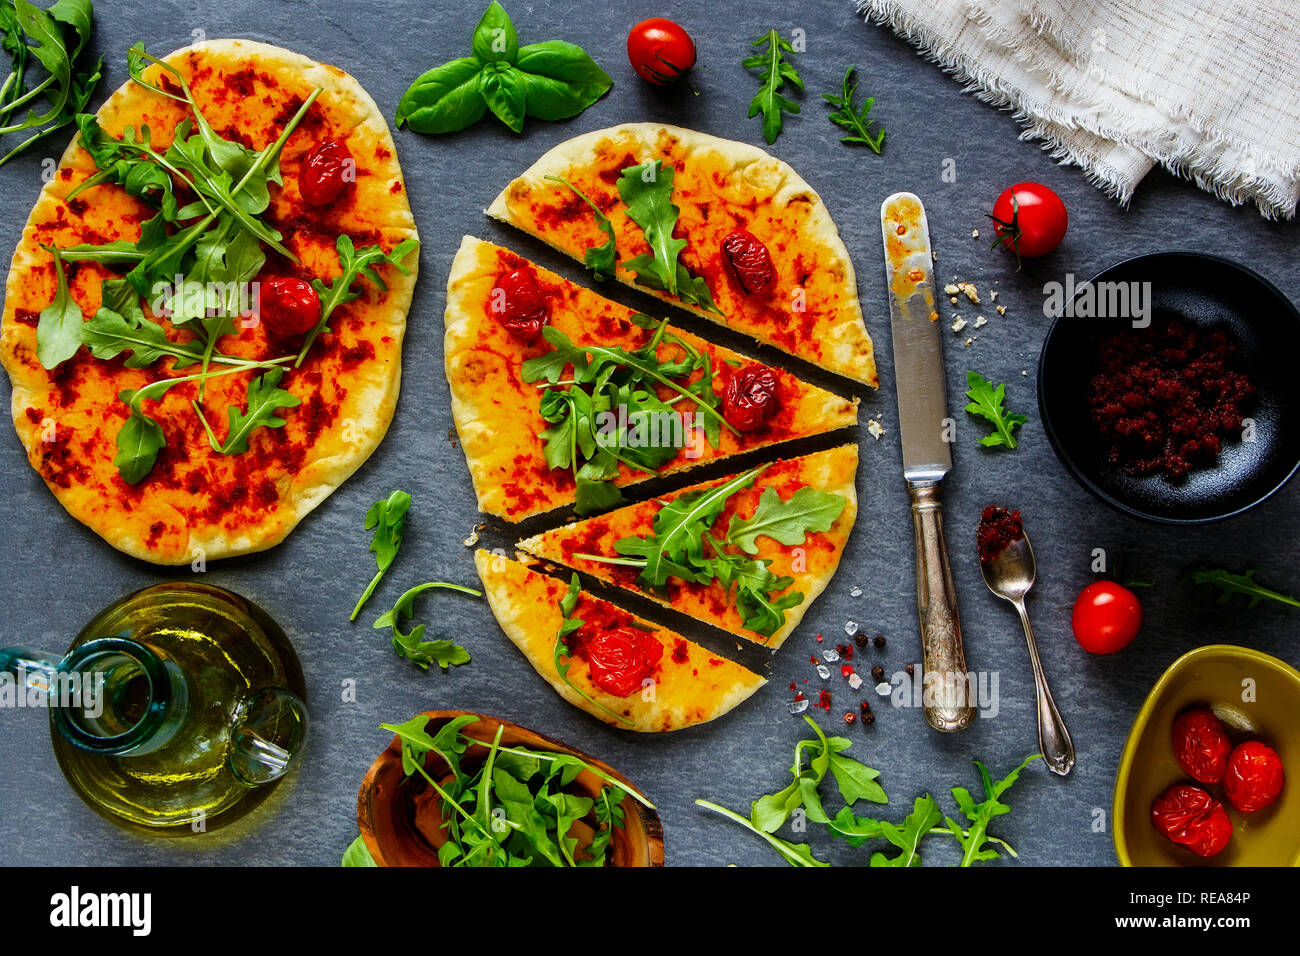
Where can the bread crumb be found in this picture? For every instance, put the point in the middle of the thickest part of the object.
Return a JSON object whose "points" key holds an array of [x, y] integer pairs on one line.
{"points": [[968, 343], [1002, 310], [980, 321], [968, 289], [951, 289], [958, 323], [993, 295], [974, 233], [875, 429]]}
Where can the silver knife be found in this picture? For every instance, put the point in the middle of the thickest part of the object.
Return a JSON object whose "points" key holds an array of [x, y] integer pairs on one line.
{"points": [[927, 457]]}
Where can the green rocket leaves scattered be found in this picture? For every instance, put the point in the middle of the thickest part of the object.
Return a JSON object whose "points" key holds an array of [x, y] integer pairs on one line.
{"points": [[551, 80], [446, 654], [388, 519], [822, 757], [986, 401], [777, 70], [1230, 585], [852, 118]]}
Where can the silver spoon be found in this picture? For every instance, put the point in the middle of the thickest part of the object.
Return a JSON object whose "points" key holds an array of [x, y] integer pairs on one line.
{"points": [[1010, 576]]}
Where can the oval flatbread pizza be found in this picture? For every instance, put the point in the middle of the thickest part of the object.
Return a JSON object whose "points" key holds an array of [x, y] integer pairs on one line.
{"points": [[237, 471], [672, 192]]}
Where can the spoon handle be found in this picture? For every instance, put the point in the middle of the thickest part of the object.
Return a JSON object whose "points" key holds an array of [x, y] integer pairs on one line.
{"points": [[946, 701], [1053, 737]]}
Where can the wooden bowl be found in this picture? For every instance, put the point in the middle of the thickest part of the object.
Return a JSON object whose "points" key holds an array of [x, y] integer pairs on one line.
{"points": [[401, 818]]}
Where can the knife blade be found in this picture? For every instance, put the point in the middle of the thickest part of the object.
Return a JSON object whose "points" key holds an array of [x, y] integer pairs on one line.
{"points": [[927, 456]]}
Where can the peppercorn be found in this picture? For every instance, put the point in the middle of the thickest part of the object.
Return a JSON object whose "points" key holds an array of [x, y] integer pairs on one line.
{"points": [[861, 640], [878, 640], [911, 670], [865, 706], [868, 718], [878, 673]]}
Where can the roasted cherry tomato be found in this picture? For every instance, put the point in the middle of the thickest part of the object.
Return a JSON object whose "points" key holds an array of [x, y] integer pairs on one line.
{"points": [[519, 304], [749, 397], [620, 658], [1201, 745], [1192, 818], [661, 51], [1030, 220], [1106, 617], [749, 260], [1254, 777], [328, 170], [289, 306]]}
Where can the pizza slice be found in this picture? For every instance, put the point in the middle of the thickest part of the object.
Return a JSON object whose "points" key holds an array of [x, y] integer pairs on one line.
{"points": [[715, 226], [562, 397], [615, 666], [748, 553]]}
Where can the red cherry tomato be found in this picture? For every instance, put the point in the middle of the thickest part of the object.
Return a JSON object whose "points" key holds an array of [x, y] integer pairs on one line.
{"points": [[749, 260], [520, 305], [660, 51], [1201, 745], [620, 658], [1254, 777], [1030, 220], [1106, 617], [749, 397], [289, 306], [328, 170], [1192, 818]]}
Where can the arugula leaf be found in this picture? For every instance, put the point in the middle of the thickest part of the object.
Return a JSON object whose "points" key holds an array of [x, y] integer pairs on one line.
{"points": [[356, 264], [601, 260], [265, 397], [357, 854], [58, 329], [796, 854], [788, 520], [446, 654], [388, 518], [109, 334], [986, 402], [925, 816], [55, 38], [777, 71], [551, 80], [569, 624], [980, 814], [139, 441], [1230, 584], [853, 119]]}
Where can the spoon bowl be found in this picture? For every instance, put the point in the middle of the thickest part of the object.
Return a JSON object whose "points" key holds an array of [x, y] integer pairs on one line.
{"points": [[1010, 574]]}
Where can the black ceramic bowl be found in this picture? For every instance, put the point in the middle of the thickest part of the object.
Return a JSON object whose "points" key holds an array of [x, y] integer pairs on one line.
{"points": [[1203, 291]]}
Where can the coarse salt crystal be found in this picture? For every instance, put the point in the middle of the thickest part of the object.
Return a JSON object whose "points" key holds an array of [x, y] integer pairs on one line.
{"points": [[798, 706], [855, 591], [855, 681], [830, 655], [850, 628], [884, 688], [823, 672]]}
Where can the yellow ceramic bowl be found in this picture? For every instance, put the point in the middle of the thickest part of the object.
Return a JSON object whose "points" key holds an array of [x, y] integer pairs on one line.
{"points": [[1217, 676]]}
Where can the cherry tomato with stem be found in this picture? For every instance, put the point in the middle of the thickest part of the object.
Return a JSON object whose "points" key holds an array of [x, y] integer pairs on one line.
{"points": [[1030, 220], [661, 51], [1106, 617]]}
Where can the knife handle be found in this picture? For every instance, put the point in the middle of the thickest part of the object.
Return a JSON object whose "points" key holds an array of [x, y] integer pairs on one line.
{"points": [[946, 701]]}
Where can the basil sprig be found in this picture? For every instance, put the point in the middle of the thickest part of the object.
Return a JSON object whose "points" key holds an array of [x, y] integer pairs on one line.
{"points": [[552, 80]]}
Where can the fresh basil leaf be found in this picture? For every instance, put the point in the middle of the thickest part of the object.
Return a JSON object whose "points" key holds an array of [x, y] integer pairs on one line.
{"points": [[786, 520], [561, 79], [504, 92], [495, 39], [446, 99], [58, 328], [358, 854]]}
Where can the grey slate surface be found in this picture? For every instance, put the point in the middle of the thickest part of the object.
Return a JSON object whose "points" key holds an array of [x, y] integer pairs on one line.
{"points": [[56, 574]]}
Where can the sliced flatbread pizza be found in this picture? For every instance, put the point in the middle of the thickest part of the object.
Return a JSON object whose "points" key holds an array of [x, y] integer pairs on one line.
{"points": [[748, 553], [539, 432], [718, 227], [169, 478], [615, 666]]}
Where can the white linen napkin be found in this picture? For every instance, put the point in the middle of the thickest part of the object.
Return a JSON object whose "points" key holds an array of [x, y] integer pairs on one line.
{"points": [[1209, 89]]}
